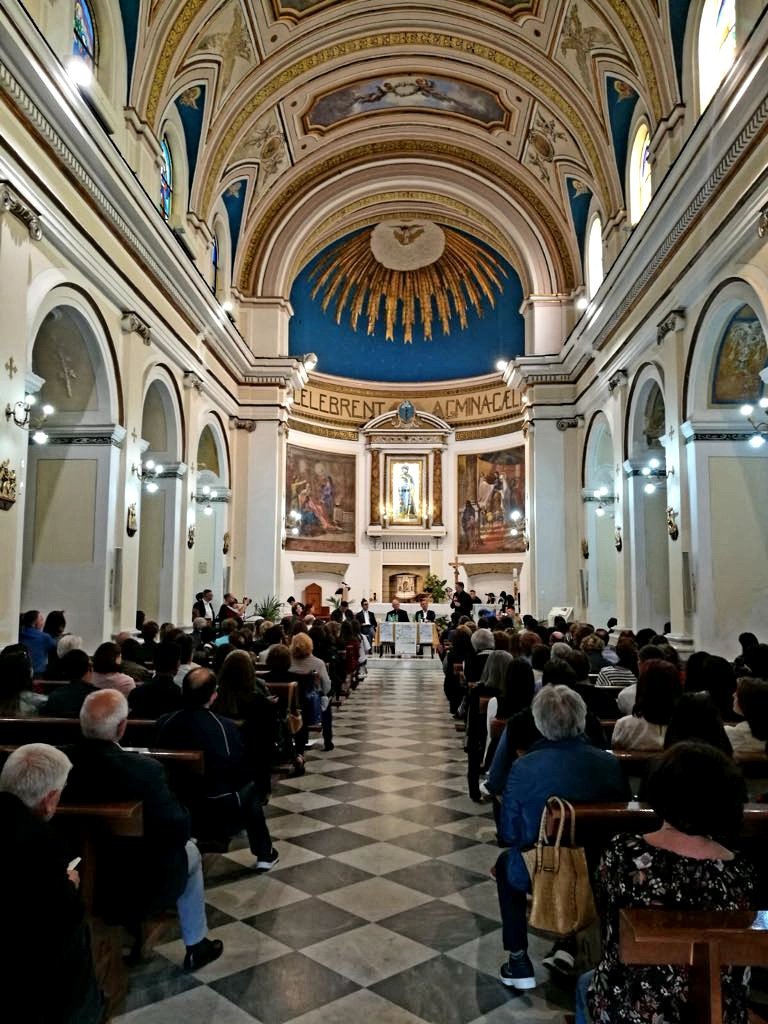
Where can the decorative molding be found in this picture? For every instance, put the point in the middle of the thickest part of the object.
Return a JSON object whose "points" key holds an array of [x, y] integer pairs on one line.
{"points": [[617, 380], [173, 470], [699, 434], [673, 321], [192, 380], [86, 435], [301, 568], [738, 150], [132, 323], [318, 431], [235, 423], [11, 202], [375, 489], [510, 427], [491, 568], [437, 488]]}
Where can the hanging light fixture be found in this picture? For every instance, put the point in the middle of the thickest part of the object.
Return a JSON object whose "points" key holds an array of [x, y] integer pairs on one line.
{"points": [[148, 472], [21, 414], [760, 427]]}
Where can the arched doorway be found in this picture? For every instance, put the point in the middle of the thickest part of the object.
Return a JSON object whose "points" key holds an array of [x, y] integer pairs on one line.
{"points": [[71, 480], [600, 523], [159, 527], [211, 515], [648, 536]]}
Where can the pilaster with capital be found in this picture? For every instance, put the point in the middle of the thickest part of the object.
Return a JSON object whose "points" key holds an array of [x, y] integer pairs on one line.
{"points": [[17, 241]]}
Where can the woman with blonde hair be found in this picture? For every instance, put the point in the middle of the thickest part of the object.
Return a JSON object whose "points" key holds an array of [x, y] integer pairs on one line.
{"points": [[305, 663]]}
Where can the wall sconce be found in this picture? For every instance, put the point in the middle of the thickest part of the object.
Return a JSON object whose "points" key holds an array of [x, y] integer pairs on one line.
{"points": [[584, 548], [191, 536], [131, 520], [672, 527], [147, 472], [603, 496], [292, 521], [618, 542], [310, 361], [760, 427], [21, 414], [654, 470]]}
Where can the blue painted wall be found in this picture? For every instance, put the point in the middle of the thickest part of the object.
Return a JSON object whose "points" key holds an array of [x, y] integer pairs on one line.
{"points": [[498, 334], [621, 107]]}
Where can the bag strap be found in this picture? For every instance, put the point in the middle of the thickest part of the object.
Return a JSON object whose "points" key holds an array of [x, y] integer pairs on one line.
{"points": [[572, 813]]}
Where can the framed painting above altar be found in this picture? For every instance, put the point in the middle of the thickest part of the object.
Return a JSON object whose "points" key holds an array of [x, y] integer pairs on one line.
{"points": [[319, 500], [406, 490], [491, 486]]}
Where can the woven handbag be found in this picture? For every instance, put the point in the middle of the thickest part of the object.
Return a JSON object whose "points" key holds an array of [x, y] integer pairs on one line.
{"points": [[562, 894]]}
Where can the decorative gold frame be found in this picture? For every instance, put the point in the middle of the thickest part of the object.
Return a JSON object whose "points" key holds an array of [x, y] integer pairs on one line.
{"points": [[393, 474]]}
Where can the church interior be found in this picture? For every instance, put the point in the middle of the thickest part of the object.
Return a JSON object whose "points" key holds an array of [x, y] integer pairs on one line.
{"points": [[307, 296]]}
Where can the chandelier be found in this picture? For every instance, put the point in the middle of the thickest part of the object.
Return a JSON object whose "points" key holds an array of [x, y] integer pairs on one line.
{"points": [[407, 272]]}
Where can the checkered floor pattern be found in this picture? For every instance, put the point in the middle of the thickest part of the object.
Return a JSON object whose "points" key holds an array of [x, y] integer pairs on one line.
{"points": [[381, 908]]}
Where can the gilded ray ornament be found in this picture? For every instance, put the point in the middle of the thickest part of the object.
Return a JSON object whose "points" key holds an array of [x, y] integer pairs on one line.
{"points": [[453, 274]]}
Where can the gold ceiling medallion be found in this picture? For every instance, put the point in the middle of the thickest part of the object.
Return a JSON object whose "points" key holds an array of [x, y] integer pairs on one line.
{"points": [[408, 264]]}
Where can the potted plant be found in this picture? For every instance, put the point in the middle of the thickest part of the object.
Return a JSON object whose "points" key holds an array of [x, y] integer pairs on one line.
{"points": [[268, 607], [435, 587]]}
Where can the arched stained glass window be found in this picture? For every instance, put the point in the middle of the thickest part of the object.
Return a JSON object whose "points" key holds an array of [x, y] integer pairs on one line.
{"points": [[215, 265], [594, 256], [85, 39], [717, 46], [640, 188], [166, 179]]}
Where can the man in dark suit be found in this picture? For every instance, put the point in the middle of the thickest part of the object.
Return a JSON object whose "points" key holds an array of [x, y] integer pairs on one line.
{"points": [[232, 610], [66, 701], [367, 620], [397, 614], [147, 874], [230, 801], [203, 607], [46, 966], [425, 613], [462, 602], [160, 694]]}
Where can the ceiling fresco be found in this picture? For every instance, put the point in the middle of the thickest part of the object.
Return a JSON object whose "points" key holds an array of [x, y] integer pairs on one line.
{"points": [[517, 110]]}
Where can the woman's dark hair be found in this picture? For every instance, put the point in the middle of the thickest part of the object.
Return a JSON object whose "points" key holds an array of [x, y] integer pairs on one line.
{"points": [[579, 662], [626, 652], [462, 644], [539, 656], [149, 630], [658, 690], [752, 695], [15, 675], [55, 624], [236, 684], [559, 673], [273, 635], [131, 650], [105, 658], [347, 633], [645, 636], [698, 790], [757, 659], [696, 717], [74, 665], [279, 659], [520, 687], [748, 640], [318, 634], [715, 675]]}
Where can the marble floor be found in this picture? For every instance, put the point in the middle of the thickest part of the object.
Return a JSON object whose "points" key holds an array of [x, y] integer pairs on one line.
{"points": [[381, 908]]}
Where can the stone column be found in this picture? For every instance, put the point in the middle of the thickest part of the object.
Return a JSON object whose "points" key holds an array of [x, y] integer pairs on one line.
{"points": [[548, 319], [616, 411], [20, 229]]}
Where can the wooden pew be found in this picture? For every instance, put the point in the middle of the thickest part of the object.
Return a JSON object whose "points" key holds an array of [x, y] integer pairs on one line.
{"points": [[703, 940], [602, 821], [637, 762], [59, 732], [87, 823]]}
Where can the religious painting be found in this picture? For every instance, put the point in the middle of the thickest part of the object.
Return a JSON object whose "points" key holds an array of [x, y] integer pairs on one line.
{"points": [[412, 92], [740, 358], [405, 504], [319, 500], [491, 491]]}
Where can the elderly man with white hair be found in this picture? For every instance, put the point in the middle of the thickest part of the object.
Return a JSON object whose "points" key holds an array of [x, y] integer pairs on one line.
{"points": [[563, 764], [146, 874], [44, 936]]}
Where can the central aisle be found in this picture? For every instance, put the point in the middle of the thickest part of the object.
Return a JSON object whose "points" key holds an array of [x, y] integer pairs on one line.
{"points": [[381, 908]]}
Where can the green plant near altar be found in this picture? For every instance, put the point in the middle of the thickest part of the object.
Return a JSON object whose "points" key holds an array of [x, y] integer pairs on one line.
{"points": [[268, 607], [435, 587]]}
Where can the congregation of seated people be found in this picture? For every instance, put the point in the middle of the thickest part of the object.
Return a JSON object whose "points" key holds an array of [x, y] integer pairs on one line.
{"points": [[545, 710], [205, 693]]}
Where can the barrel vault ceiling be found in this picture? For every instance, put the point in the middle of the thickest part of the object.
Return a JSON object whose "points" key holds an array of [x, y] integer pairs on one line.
{"points": [[324, 116]]}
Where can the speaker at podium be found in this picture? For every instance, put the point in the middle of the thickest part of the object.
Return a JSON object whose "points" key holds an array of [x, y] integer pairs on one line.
{"points": [[566, 612]]}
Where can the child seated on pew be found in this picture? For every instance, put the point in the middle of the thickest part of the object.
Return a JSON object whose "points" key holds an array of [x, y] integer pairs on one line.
{"points": [[699, 794]]}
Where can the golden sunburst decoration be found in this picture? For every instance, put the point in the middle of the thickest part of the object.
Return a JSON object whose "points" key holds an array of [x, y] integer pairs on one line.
{"points": [[407, 264]]}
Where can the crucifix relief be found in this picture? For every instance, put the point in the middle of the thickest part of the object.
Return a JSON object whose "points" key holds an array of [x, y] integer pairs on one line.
{"points": [[455, 566]]}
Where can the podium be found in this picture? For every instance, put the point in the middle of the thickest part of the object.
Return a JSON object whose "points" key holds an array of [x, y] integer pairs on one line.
{"points": [[406, 638]]}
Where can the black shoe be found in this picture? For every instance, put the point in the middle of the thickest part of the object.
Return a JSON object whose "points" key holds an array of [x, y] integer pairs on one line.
{"points": [[328, 746], [518, 973], [203, 953], [560, 960], [265, 863]]}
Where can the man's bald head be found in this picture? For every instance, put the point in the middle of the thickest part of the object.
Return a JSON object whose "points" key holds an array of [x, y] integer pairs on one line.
{"points": [[199, 687], [103, 715]]}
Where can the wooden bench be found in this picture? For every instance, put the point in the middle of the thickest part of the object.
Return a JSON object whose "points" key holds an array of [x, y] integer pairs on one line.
{"points": [[702, 940], [87, 823], [606, 820], [59, 732], [637, 762]]}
